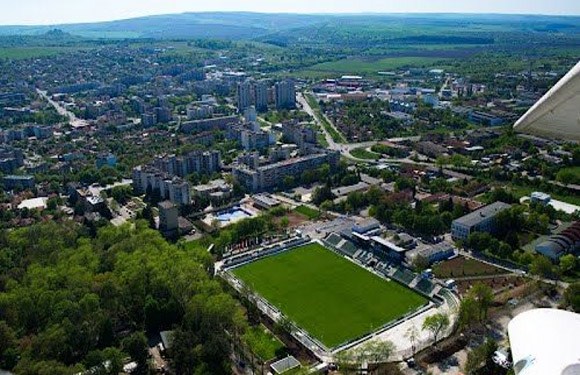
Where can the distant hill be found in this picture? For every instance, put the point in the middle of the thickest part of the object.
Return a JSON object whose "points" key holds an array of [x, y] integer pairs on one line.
{"points": [[238, 25], [244, 25]]}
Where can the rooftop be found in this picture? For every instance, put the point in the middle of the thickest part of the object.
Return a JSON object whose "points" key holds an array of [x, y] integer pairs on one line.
{"points": [[477, 216]]}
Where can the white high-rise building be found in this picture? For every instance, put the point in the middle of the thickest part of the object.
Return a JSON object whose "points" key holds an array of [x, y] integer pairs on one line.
{"points": [[244, 96], [285, 95], [261, 96]]}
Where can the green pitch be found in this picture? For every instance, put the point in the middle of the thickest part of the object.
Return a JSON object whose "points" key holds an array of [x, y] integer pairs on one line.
{"points": [[327, 295]]}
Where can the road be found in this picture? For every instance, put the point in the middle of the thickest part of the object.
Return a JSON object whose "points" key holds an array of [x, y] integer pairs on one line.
{"points": [[346, 148], [308, 109], [73, 119], [343, 148]]}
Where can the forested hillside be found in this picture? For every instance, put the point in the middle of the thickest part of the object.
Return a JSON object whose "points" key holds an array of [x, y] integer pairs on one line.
{"points": [[70, 302]]}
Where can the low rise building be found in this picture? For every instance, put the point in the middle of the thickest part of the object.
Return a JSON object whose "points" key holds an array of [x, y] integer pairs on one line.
{"points": [[482, 220], [265, 201], [432, 253], [23, 182], [484, 118], [366, 225], [216, 191], [558, 245]]}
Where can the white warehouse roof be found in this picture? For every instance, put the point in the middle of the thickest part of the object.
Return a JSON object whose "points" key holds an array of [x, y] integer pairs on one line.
{"points": [[545, 342], [556, 114]]}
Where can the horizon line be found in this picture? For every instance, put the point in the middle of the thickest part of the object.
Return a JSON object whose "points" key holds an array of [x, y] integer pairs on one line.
{"points": [[364, 13]]}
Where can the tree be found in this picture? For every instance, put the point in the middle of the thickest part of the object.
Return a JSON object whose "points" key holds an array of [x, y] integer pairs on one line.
{"points": [[436, 323], [412, 334], [345, 360], [378, 351], [568, 264], [8, 346], [541, 266], [326, 206], [137, 348], [567, 176], [284, 223], [482, 294], [572, 297], [111, 283], [468, 312], [288, 181], [420, 263], [321, 194], [480, 356], [284, 325]]}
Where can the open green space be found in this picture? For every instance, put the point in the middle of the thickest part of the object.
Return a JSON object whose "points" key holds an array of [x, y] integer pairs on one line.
{"points": [[332, 298], [360, 65], [310, 213], [363, 153], [263, 343], [464, 267], [522, 191], [18, 53]]}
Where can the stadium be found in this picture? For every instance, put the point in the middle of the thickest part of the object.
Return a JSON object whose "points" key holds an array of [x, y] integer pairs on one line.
{"points": [[334, 300]]}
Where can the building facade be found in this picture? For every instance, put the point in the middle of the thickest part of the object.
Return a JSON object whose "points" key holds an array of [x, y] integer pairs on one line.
{"points": [[285, 93], [244, 96], [269, 176], [482, 220]]}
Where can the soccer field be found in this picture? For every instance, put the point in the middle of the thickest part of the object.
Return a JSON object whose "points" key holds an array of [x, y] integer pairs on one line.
{"points": [[332, 298]]}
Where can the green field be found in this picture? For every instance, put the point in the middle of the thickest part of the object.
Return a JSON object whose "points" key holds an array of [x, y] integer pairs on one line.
{"points": [[363, 153], [307, 211], [18, 53], [332, 298], [372, 66], [263, 343]]}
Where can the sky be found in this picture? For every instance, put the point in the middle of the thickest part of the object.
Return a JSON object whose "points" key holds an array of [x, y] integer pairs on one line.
{"points": [[49, 12]]}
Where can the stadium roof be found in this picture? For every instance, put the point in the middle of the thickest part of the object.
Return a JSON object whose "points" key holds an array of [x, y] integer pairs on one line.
{"points": [[545, 341], [556, 114]]}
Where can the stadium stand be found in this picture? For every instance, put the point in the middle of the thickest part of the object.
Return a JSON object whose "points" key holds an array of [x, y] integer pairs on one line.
{"points": [[404, 276], [425, 286], [334, 239], [349, 248]]}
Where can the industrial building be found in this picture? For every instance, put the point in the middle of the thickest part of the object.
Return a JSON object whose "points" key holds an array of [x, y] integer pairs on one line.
{"points": [[558, 245]]}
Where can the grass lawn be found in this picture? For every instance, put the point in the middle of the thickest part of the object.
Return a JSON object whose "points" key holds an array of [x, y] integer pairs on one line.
{"points": [[308, 212], [18, 53], [363, 66], [332, 298], [363, 153], [263, 343], [521, 191], [464, 267]]}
